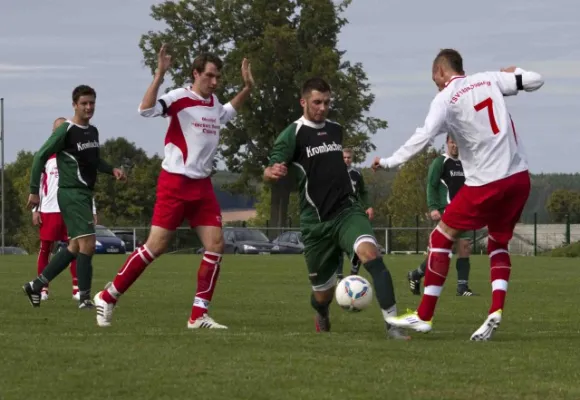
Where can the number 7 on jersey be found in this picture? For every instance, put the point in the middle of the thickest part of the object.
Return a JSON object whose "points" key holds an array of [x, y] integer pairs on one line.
{"points": [[488, 103]]}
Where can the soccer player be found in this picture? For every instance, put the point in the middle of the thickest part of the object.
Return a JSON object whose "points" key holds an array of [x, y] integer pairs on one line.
{"points": [[444, 180], [48, 218], [358, 185], [184, 188], [497, 181], [332, 219], [76, 145]]}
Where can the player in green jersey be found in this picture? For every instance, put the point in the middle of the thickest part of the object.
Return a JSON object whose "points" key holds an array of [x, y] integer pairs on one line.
{"points": [[76, 145], [332, 219]]}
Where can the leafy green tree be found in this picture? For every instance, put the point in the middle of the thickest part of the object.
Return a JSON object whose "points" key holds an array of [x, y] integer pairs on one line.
{"points": [[287, 41], [563, 202]]}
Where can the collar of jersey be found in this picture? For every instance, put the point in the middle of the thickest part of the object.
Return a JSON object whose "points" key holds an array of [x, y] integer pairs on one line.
{"points": [[453, 78], [197, 96], [312, 124]]}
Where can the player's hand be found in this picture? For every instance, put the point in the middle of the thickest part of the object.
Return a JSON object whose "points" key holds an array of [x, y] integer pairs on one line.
{"points": [[36, 220], [247, 73], [33, 201], [509, 69], [376, 164], [119, 174], [276, 171], [371, 213], [435, 215], [163, 60]]}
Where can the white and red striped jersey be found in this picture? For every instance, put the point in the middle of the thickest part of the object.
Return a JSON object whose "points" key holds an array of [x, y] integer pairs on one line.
{"points": [[193, 133], [49, 188], [473, 110]]}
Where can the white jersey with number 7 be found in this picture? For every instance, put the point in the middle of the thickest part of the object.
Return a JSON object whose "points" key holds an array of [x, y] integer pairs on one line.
{"points": [[473, 110]]}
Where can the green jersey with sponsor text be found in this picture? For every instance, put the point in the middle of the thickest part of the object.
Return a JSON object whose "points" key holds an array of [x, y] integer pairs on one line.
{"points": [[314, 151], [78, 158]]}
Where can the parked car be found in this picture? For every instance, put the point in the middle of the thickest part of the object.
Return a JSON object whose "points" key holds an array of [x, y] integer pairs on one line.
{"points": [[288, 243], [244, 241], [127, 237], [12, 250], [108, 242]]}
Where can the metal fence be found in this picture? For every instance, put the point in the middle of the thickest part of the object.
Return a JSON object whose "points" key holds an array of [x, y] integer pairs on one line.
{"points": [[529, 239]]}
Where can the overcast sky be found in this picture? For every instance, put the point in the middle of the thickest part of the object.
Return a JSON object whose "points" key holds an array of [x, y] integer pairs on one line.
{"points": [[48, 47]]}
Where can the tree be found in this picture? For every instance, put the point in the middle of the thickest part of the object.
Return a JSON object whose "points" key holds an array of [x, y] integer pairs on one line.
{"points": [[262, 206], [563, 202], [286, 41]]}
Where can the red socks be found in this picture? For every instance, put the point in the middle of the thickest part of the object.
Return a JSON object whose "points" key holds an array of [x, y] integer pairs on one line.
{"points": [[437, 268], [73, 274], [131, 270], [43, 257], [207, 276], [500, 262]]}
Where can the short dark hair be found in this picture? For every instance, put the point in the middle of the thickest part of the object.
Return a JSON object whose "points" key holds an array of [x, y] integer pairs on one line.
{"points": [[317, 84], [82, 90], [203, 59], [452, 58]]}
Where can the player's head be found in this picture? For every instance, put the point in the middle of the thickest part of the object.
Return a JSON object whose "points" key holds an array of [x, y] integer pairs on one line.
{"points": [[447, 64], [315, 99], [84, 98], [347, 156], [452, 149], [206, 73], [58, 122]]}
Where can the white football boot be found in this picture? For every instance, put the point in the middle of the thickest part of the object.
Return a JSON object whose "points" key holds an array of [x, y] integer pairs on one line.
{"points": [[410, 320], [204, 322], [104, 310], [485, 331]]}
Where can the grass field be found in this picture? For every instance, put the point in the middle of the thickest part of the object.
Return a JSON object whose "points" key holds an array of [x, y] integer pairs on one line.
{"points": [[271, 350]]}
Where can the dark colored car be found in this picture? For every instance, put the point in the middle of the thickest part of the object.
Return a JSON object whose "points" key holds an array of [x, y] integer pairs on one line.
{"points": [[13, 251], [127, 237], [107, 242], [288, 243], [246, 241]]}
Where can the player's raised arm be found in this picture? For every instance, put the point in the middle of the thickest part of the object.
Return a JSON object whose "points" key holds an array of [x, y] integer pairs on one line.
{"points": [[421, 138], [282, 154], [230, 109], [150, 106], [511, 80]]}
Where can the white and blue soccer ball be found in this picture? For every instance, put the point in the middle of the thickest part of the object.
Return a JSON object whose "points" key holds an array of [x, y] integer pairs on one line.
{"points": [[354, 293]]}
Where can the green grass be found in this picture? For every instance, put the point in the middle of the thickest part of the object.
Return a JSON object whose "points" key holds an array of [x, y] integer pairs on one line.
{"points": [[271, 350]]}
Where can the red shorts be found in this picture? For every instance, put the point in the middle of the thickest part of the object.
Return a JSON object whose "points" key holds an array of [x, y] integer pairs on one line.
{"points": [[180, 198], [52, 227], [497, 205]]}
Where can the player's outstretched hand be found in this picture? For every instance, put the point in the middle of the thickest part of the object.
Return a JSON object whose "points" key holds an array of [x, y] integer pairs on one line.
{"points": [[119, 174], [247, 73], [376, 164], [33, 201], [276, 171], [509, 69], [163, 60]]}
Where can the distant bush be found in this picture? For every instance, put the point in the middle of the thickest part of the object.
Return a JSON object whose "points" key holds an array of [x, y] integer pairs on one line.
{"points": [[571, 250]]}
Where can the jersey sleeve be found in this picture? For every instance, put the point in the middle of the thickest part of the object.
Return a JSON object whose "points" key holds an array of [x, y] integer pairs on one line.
{"points": [[227, 113], [434, 125], [54, 144], [284, 147], [162, 105], [510, 83], [433, 182]]}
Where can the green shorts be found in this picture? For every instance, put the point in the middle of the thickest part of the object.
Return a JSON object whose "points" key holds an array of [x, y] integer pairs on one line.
{"points": [[325, 242], [76, 208], [467, 235]]}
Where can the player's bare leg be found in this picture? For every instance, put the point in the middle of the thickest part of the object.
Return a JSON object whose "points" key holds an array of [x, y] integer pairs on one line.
{"points": [[440, 245], [207, 276], [368, 253], [157, 243]]}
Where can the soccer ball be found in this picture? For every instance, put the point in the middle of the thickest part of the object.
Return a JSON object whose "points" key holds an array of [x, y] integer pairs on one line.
{"points": [[354, 293]]}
